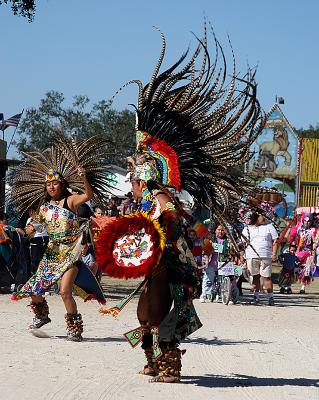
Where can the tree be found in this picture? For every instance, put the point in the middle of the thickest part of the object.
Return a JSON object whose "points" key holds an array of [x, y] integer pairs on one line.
{"points": [[25, 8], [37, 127], [311, 132]]}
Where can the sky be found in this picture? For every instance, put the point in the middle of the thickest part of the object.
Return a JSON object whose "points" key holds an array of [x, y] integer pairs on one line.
{"points": [[92, 47]]}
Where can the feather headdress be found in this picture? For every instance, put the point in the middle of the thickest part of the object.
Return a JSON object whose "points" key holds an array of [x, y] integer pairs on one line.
{"points": [[62, 159], [193, 127]]}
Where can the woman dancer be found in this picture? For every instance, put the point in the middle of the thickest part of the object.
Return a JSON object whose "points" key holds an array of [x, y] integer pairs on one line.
{"points": [[62, 260]]}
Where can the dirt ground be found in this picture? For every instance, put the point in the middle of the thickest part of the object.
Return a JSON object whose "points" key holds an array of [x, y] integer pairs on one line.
{"points": [[242, 351]]}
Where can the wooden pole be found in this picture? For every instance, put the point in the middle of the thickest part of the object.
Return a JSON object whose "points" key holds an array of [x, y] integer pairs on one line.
{"points": [[3, 169]]}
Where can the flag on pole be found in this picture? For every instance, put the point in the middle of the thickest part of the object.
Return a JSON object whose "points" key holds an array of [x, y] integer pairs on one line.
{"points": [[13, 121]]}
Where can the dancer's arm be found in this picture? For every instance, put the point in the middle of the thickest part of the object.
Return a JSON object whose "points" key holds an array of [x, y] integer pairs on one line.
{"points": [[165, 201], [77, 199], [169, 216]]}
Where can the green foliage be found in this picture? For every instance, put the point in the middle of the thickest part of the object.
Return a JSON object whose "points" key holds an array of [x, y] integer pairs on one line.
{"points": [[37, 127], [25, 8], [311, 132]]}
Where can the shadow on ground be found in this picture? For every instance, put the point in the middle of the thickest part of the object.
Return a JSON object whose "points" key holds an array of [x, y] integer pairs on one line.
{"points": [[246, 381], [95, 339], [222, 342]]}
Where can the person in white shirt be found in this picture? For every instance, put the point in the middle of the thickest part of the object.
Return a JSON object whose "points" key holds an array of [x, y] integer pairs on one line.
{"points": [[260, 253], [38, 244]]}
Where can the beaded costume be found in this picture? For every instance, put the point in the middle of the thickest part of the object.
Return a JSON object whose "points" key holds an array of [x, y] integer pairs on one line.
{"points": [[63, 251], [303, 236], [191, 129], [65, 229]]}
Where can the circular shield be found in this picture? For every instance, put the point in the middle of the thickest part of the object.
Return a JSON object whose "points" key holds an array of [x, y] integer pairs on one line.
{"points": [[130, 247]]}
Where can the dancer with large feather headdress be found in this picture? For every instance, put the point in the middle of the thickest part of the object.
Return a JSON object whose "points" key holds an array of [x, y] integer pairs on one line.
{"points": [[44, 181], [192, 128]]}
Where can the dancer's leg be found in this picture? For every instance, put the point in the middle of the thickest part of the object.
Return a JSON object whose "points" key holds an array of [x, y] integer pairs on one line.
{"points": [[40, 309], [156, 300], [66, 286], [36, 299], [154, 304], [72, 318]]}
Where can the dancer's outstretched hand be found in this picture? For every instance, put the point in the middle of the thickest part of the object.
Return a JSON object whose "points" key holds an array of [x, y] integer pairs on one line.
{"points": [[80, 171]]}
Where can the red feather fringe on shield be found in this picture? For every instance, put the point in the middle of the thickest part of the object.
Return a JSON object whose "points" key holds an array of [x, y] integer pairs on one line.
{"points": [[129, 224]]}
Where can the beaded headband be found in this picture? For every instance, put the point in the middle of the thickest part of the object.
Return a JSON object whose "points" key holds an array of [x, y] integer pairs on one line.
{"points": [[53, 175]]}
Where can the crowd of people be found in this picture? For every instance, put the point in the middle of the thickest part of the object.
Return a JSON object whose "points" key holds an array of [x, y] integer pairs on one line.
{"points": [[299, 255], [117, 206], [261, 248]]}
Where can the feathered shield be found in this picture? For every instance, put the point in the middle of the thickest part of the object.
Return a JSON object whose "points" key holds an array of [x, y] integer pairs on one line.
{"points": [[130, 246]]}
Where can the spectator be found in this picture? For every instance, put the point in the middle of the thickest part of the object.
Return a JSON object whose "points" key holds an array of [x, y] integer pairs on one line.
{"points": [[260, 253], [195, 245], [290, 262], [303, 235], [316, 266], [97, 211], [239, 257], [127, 204], [88, 258], [5, 240], [114, 212], [84, 211], [221, 248], [38, 244], [13, 261]]}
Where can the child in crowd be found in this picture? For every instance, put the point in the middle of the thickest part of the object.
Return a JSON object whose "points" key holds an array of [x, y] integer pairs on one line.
{"points": [[88, 259], [211, 263], [289, 262]]}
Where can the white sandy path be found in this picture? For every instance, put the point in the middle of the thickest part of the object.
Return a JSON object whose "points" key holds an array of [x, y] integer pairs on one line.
{"points": [[242, 352]]}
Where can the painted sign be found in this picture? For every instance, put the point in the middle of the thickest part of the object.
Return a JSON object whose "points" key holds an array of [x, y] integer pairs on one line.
{"points": [[275, 152]]}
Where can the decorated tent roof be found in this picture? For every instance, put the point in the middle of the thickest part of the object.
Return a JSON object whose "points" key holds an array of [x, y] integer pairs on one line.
{"points": [[276, 114], [275, 151]]}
